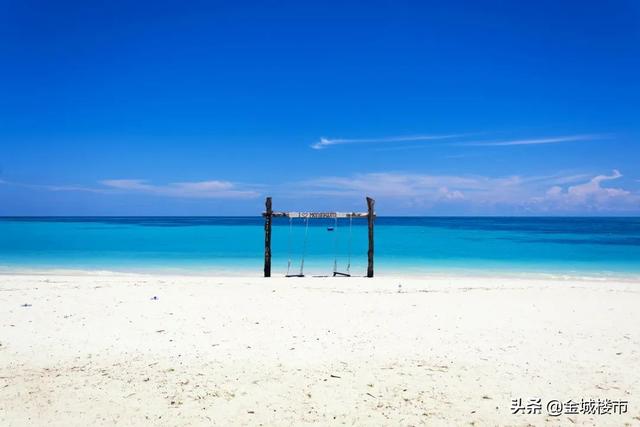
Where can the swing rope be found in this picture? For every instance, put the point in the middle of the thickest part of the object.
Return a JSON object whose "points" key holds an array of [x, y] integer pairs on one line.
{"points": [[350, 239], [304, 248], [335, 246], [306, 244], [290, 245]]}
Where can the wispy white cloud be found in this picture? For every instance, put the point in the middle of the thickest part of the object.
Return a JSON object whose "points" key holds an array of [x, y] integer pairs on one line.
{"points": [[327, 142], [395, 142], [536, 141]]}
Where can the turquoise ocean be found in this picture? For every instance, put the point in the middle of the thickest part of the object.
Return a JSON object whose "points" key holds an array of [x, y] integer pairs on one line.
{"points": [[403, 245]]}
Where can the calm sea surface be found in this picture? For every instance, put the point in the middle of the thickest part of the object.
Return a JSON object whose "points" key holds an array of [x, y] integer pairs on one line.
{"points": [[593, 246]]}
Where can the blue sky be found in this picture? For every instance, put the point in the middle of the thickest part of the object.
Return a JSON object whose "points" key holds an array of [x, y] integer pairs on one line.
{"points": [[434, 108]]}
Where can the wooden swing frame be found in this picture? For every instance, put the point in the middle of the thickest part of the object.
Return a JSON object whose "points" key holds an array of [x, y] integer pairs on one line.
{"points": [[269, 214]]}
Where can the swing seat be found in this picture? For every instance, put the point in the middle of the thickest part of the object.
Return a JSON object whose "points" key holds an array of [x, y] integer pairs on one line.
{"points": [[294, 275], [337, 273]]}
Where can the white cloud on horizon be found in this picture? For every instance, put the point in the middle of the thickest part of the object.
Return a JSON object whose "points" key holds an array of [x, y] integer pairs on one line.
{"points": [[589, 196], [412, 192], [533, 194], [55, 187], [199, 189], [196, 190]]}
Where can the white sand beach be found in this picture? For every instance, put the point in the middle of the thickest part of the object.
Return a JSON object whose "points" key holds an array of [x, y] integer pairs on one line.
{"points": [[99, 349]]}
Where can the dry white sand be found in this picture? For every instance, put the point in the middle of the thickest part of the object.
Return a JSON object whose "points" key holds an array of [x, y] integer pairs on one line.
{"points": [[98, 350]]}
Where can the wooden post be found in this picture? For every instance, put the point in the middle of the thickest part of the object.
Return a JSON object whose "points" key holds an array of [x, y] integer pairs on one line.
{"points": [[370, 219], [267, 238]]}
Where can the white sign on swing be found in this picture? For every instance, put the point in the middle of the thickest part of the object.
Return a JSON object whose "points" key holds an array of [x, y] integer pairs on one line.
{"points": [[319, 215]]}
